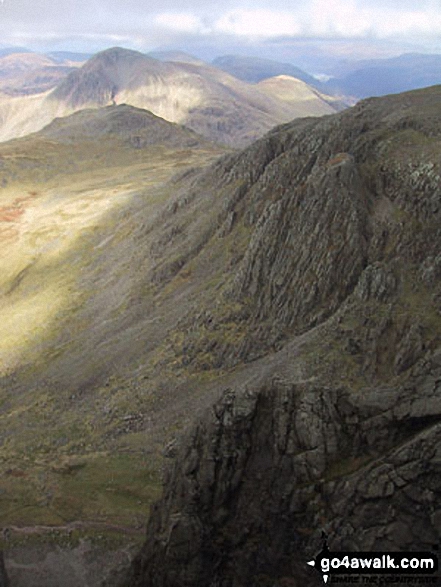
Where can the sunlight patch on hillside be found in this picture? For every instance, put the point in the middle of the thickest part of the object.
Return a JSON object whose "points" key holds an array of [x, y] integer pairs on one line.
{"points": [[39, 268]]}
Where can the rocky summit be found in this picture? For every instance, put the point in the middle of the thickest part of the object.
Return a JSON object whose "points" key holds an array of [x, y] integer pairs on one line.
{"points": [[327, 321]]}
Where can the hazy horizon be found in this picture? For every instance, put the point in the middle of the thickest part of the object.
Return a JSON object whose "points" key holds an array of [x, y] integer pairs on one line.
{"points": [[312, 34]]}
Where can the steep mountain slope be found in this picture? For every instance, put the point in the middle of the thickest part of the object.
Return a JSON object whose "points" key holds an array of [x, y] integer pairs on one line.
{"points": [[75, 202], [325, 301], [294, 286], [307, 100], [203, 98], [34, 81]]}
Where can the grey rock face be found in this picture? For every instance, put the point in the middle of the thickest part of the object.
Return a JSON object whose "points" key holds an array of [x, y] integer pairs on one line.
{"points": [[340, 430], [256, 483], [327, 206]]}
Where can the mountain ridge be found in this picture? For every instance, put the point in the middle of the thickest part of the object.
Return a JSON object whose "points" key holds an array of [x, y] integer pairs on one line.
{"points": [[328, 423], [378, 77], [203, 98], [256, 69], [290, 292]]}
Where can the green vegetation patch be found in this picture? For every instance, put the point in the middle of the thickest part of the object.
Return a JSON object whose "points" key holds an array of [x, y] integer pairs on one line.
{"points": [[117, 490]]}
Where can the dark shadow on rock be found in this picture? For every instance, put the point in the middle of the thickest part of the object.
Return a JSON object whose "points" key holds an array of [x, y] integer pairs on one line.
{"points": [[4, 581]]}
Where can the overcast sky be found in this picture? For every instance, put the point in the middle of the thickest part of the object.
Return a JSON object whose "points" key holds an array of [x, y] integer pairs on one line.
{"points": [[141, 24]]}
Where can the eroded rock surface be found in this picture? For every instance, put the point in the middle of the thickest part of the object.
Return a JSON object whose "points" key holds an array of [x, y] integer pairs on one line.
{"points": [[336, 293]]}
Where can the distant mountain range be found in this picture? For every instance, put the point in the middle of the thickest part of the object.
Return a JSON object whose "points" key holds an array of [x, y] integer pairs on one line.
{"points": [[25, 72], [350, 80], [356, 78], [200, 96], [233, 100], [387, 76], [255, 69]]}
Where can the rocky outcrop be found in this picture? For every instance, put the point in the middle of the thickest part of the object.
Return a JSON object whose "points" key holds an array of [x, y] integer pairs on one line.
{"points": [[254, 486], [338, 288], [315, 204]]}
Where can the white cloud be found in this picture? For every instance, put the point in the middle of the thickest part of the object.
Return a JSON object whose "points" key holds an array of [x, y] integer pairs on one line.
{"points": [[338, 18], [258, 23], [180, 22], [162, 22], [320, 18], [347, 18]]}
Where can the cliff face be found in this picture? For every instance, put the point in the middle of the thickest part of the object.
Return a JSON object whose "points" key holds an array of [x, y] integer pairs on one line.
{"points": [[268, 470], [335, 296], [305, 214]]}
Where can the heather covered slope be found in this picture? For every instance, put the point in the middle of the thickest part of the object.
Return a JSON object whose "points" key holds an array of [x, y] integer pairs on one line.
{"points": [[332, 297], [205, 99]]}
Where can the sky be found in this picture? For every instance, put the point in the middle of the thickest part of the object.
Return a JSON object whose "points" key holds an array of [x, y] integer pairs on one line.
{"points": [[89, 25]]}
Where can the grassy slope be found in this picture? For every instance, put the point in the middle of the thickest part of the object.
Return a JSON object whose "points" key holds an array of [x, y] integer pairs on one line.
{"points": [[107, 379], [70, 213]]}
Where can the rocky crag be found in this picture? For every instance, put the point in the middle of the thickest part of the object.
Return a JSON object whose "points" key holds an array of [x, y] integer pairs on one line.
{"points": [[328, 317]]}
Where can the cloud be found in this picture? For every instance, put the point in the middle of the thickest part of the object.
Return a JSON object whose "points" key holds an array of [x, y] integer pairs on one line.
{"points": [[235, 21], [258, 23], [347, 18], [331, 18], [180, 22]]}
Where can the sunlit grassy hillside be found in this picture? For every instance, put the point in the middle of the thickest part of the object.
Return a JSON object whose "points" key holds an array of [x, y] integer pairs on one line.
{"points": [[73, 203]]}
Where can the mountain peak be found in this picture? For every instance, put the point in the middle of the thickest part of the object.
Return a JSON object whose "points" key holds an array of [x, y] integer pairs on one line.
{"points": [[139, 127], [100, 78], [116, 53]]}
